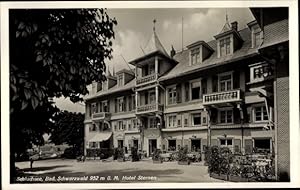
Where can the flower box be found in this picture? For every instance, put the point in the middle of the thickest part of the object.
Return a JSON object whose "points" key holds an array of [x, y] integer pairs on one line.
{"points": [[237, 178], [184, 162], [157, 161]]}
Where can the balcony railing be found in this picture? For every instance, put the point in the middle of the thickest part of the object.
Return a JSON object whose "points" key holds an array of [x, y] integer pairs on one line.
{"points": [[149, 108], [222, 97], [101, 116], [146, 79]]}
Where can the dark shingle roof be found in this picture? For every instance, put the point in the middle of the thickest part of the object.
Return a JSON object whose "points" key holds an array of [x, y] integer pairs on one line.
{"points": [[276, 33], [112, 90], [183, 66]]}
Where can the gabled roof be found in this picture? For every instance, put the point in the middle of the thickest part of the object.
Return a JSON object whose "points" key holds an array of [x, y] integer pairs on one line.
{"points": [[225, 28]]}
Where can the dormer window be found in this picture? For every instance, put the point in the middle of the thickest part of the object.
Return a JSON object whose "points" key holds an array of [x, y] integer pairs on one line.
{"points": [[199, 51], [256, 34], [120, 79], [195, 56], [225, 46]]}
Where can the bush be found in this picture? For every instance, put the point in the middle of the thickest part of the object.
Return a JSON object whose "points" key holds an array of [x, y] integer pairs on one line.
{"points": [[156, 155], [182, 154], [218, 159], [70, 153], [103, 153]]}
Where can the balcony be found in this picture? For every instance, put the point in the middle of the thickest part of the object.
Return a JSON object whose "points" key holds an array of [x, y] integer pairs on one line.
{"points": [[222, 97], [146, 79], [150, 108], [101, 116]]}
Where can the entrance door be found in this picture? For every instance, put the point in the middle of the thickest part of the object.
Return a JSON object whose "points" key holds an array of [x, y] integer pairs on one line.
{"points": [[152, 145], [196, 145], [120, 143], [136, 143]]}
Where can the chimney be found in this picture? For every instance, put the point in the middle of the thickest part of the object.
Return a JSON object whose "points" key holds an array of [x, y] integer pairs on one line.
{"points": [[234, 25], [173, 52]]}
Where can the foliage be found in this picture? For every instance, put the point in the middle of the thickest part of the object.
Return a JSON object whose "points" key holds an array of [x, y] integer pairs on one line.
{"points": [[157, 155], [67, 128], [103, 153], [70, 153], [120, 153], [182, 154], [53, 53]]}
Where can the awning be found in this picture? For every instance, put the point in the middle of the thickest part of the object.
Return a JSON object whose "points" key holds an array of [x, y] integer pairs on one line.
{"points": [[99, 137]]}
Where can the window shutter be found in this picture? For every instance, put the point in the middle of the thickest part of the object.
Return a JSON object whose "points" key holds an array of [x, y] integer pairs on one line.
{"points": [[248, 146], [204, 144], [214, 116], [116, 105], [214, 142], [236, 115], [178, 93], [146, 97], [236, 80], [124, 104], [204, 86], [178, 143], [237, 145], [215, 83], [249, 114], [187, 91], [108, 105], [204, 118]]}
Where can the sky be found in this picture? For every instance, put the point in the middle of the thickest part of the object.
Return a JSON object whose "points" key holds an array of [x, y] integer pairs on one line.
{"points": [[135, 27]]}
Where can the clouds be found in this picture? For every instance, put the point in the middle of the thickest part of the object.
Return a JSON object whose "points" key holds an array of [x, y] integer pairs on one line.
{"points": [[134, 29]]}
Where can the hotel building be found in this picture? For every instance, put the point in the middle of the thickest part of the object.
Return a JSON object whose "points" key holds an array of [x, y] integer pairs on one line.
{"points": [[222, 92]]}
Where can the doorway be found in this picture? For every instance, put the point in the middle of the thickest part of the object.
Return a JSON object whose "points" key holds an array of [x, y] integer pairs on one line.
{"points": [[196, 145], [136, 143], [120, 143], [152, 146]]}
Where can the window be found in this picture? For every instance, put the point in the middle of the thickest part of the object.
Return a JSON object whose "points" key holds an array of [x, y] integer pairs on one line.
{"points": [[152, 122], [195, 56], [120, 102], [129, 122], [134, 123], [178, 120], [172, 95], [104, 106], [93, 145], [93, 127], [151, 69], [152, 97], [172, 145], [257, 39], [262, 145], [120, 143], [94, 108], [226, 116], [196, 119], [226, 142], [133, 101], [225, 82], [260, 113], [225, 46], [196, 90], [120, 125], [172, 121], [120, 80]]}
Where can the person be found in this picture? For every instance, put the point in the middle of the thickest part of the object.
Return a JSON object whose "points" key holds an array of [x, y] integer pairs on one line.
{"points": [[31, 162]]}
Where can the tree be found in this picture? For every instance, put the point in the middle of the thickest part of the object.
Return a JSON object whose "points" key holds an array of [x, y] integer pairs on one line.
{"points": [[67, 128], [53, 53]]}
